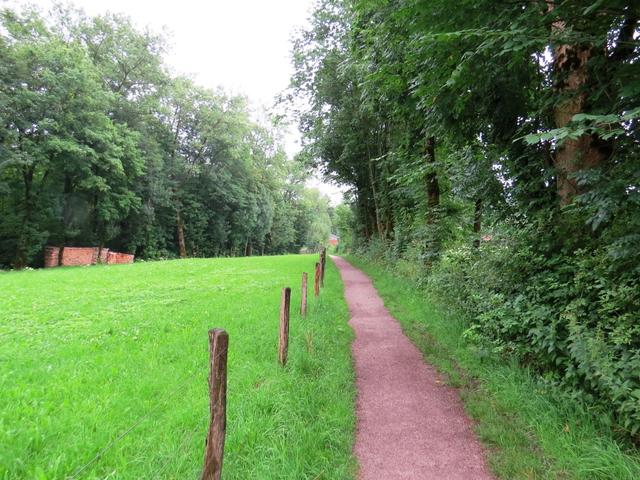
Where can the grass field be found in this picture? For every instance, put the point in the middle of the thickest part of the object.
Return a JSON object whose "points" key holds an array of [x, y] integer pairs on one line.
{"points": [[116, 358], [530, 431]]}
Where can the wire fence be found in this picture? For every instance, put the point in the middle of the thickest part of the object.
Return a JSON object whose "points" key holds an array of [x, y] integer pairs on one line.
{"points": [[187, 439], [139, 421]]}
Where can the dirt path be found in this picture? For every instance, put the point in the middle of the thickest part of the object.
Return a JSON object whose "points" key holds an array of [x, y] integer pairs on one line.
{"points": [[410, 424]]}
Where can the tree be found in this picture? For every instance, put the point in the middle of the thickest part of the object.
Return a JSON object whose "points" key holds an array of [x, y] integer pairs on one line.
{"points": [[518, 120], [57, 135], [101, 146]]}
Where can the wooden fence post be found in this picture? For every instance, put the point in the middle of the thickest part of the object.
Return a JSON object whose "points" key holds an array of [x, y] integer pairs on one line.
{"points": [[303, 300], [316, 280], [214, 446], [323, 261], [283, 346]]}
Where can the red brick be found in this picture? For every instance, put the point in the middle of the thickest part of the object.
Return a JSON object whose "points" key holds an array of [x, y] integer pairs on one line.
{"points": [[114, 258], [102, 255], [75, 256], [51, 257]]}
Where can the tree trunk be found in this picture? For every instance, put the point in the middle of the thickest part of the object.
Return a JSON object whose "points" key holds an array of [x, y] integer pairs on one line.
{"points": [[181, 243], [389, 207], [477, 221], [433, 187], [67, 209], [585, 152], [20, 260], [98, 229], [372, 180]]}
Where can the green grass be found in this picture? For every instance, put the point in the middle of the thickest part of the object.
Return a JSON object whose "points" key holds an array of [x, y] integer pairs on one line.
{"points": [[88, 353], [530, 431]]}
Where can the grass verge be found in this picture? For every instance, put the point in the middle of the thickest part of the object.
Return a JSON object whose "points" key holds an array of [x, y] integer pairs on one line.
{"points": [[530, 431], [88, 355]]}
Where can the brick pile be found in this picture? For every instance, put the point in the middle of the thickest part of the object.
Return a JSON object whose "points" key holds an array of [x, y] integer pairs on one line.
{"points": [[51, 257], [103, 254], [119, 258], [77, 256]]}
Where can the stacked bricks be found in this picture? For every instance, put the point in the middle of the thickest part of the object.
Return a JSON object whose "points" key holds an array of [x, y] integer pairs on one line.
{"points": [[103, 255], [119, 258], [77, 256], [51, 257]]}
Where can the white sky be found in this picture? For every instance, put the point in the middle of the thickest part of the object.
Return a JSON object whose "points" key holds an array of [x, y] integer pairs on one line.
{"points": [[241, 45]]}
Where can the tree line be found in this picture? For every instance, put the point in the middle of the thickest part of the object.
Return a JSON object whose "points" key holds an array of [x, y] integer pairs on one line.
{"points": [[100, 145], [491, 150]]}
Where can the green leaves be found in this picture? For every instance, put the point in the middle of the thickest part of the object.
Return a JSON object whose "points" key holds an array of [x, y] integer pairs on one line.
{"points": [[606, 127], [99, 145], [535, 108]]}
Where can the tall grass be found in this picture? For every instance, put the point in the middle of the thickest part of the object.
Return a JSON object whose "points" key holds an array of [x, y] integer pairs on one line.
{"points": [[115, 360]]}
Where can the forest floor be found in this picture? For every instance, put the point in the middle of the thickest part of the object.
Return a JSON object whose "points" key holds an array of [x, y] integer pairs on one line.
{"points": [[530, 429], [103, 371], [411, 425]]}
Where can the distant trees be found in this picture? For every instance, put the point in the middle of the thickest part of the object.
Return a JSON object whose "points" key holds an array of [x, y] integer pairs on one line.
{"points": [[343, 226], [517, 120], [99, 145]]}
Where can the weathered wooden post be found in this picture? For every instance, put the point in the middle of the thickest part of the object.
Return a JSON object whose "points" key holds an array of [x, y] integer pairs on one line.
{"points": [[323, 261], [303, 299], [316, 280], [283, 346], [214, 446]]}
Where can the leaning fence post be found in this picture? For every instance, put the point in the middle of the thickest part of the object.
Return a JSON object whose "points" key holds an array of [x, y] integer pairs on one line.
{"points": [[283, 346], [214, 446], [316, 280], [303, 296]]}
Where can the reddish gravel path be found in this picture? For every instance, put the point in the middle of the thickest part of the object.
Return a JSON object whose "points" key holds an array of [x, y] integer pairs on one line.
{"points": [[410, 424]]}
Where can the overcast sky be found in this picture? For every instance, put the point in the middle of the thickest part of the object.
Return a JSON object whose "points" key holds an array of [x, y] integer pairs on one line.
{"points": [[241, 45]]}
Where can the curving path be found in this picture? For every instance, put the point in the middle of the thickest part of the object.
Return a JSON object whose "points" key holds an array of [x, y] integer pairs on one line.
{"points": [[410, 425]]}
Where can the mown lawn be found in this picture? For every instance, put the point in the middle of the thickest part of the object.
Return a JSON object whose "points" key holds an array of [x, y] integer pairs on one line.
{"points": [[115, 359], [530, 431]]}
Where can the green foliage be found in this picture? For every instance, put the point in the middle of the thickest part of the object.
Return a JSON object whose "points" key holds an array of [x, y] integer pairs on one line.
{"points": [[344, 226], [524, 116], [99, 145], [564, 316]]}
